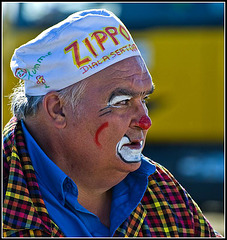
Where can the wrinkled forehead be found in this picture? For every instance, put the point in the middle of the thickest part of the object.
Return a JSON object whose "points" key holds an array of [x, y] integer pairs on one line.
{"points": [[124, 74], [126, 68], [129, 66]]}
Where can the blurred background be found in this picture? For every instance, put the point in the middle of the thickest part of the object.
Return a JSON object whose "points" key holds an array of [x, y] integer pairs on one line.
{"points": [[183, 46]]}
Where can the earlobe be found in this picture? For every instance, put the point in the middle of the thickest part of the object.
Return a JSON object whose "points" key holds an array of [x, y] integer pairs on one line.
{"points": [[54, 109]]}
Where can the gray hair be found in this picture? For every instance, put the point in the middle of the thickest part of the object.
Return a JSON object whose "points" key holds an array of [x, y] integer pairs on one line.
{"points": [[23, 105]]}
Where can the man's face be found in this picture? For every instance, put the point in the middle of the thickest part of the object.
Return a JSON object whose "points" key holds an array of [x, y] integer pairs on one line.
{"points": [[112, 121]]}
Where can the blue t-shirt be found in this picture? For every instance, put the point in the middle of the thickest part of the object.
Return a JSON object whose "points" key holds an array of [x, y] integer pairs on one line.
{"points": [[60, 194]]}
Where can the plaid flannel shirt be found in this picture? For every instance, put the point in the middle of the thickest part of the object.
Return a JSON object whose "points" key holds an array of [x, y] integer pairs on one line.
{"points": [[166, 209]]}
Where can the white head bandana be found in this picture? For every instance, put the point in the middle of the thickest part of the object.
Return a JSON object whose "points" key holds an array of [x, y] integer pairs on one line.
{"points": [[72, 50]]}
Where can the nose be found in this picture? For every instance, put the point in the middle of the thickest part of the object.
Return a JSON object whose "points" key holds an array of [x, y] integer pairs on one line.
{"points": [[144, 123]]}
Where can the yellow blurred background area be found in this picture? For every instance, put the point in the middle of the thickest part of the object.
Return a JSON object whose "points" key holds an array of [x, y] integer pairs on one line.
{"points": [[188, 72]]}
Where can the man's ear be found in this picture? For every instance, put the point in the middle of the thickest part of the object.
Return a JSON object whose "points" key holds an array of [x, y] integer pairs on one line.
{"points": [[54, 109]]}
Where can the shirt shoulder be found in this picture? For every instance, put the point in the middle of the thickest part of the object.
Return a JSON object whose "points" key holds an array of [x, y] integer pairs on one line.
{"points": [[167, 189], [162, 174], [22, 196], [9, 136], [165, 198]]}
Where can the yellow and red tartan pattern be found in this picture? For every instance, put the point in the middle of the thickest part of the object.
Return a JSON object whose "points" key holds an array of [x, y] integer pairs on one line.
{"points": [[166, 209]]}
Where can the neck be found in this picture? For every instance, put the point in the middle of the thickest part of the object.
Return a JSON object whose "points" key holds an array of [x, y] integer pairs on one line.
{"points": [[97, 203], [96, 195]]}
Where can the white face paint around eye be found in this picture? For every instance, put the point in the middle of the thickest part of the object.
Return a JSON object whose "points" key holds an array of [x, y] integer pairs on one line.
{"points": [[127, 153], [118, 99]]}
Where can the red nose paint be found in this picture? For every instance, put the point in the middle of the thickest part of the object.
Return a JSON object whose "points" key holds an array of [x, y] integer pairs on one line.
{"points": [[104, 125], [144, 122]]}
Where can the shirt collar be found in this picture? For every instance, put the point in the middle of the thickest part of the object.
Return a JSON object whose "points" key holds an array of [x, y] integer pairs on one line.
{"points": [[146, 168], [47, 172]]}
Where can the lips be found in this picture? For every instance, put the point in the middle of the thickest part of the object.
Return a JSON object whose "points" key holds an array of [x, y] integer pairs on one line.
{"points": [[134, 145], [129, 150]]}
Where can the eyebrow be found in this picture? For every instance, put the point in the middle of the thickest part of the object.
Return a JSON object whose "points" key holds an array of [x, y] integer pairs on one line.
{"points": [[128, 92]]}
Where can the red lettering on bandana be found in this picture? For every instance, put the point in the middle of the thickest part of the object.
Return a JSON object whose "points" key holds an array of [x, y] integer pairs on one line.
{"points": [[100, 40], [100, 36], [124, 32], [89, 47], [112, 34], [74, 47]]}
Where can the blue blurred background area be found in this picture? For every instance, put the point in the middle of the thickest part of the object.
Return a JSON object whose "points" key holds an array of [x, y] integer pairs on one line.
{"points": [[183, 46], [134, 15]]}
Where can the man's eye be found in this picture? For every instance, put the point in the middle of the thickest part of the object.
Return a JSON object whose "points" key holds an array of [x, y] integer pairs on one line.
{"points": [[120, 101], [123, 102]]}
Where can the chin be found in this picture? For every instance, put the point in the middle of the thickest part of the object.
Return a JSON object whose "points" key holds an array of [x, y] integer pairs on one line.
{"points": [[128, 166]]}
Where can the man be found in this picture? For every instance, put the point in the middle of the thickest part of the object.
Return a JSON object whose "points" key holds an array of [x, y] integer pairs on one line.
{"points": [[72, 152]]}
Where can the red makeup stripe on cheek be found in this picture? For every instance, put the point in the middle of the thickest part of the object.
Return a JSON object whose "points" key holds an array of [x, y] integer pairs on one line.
{"points": [[145, 122], [104, 125]]}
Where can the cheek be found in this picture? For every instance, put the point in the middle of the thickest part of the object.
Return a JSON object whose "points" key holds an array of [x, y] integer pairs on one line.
{"points": [[110, 132], [105, 135], [99, 130]]}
